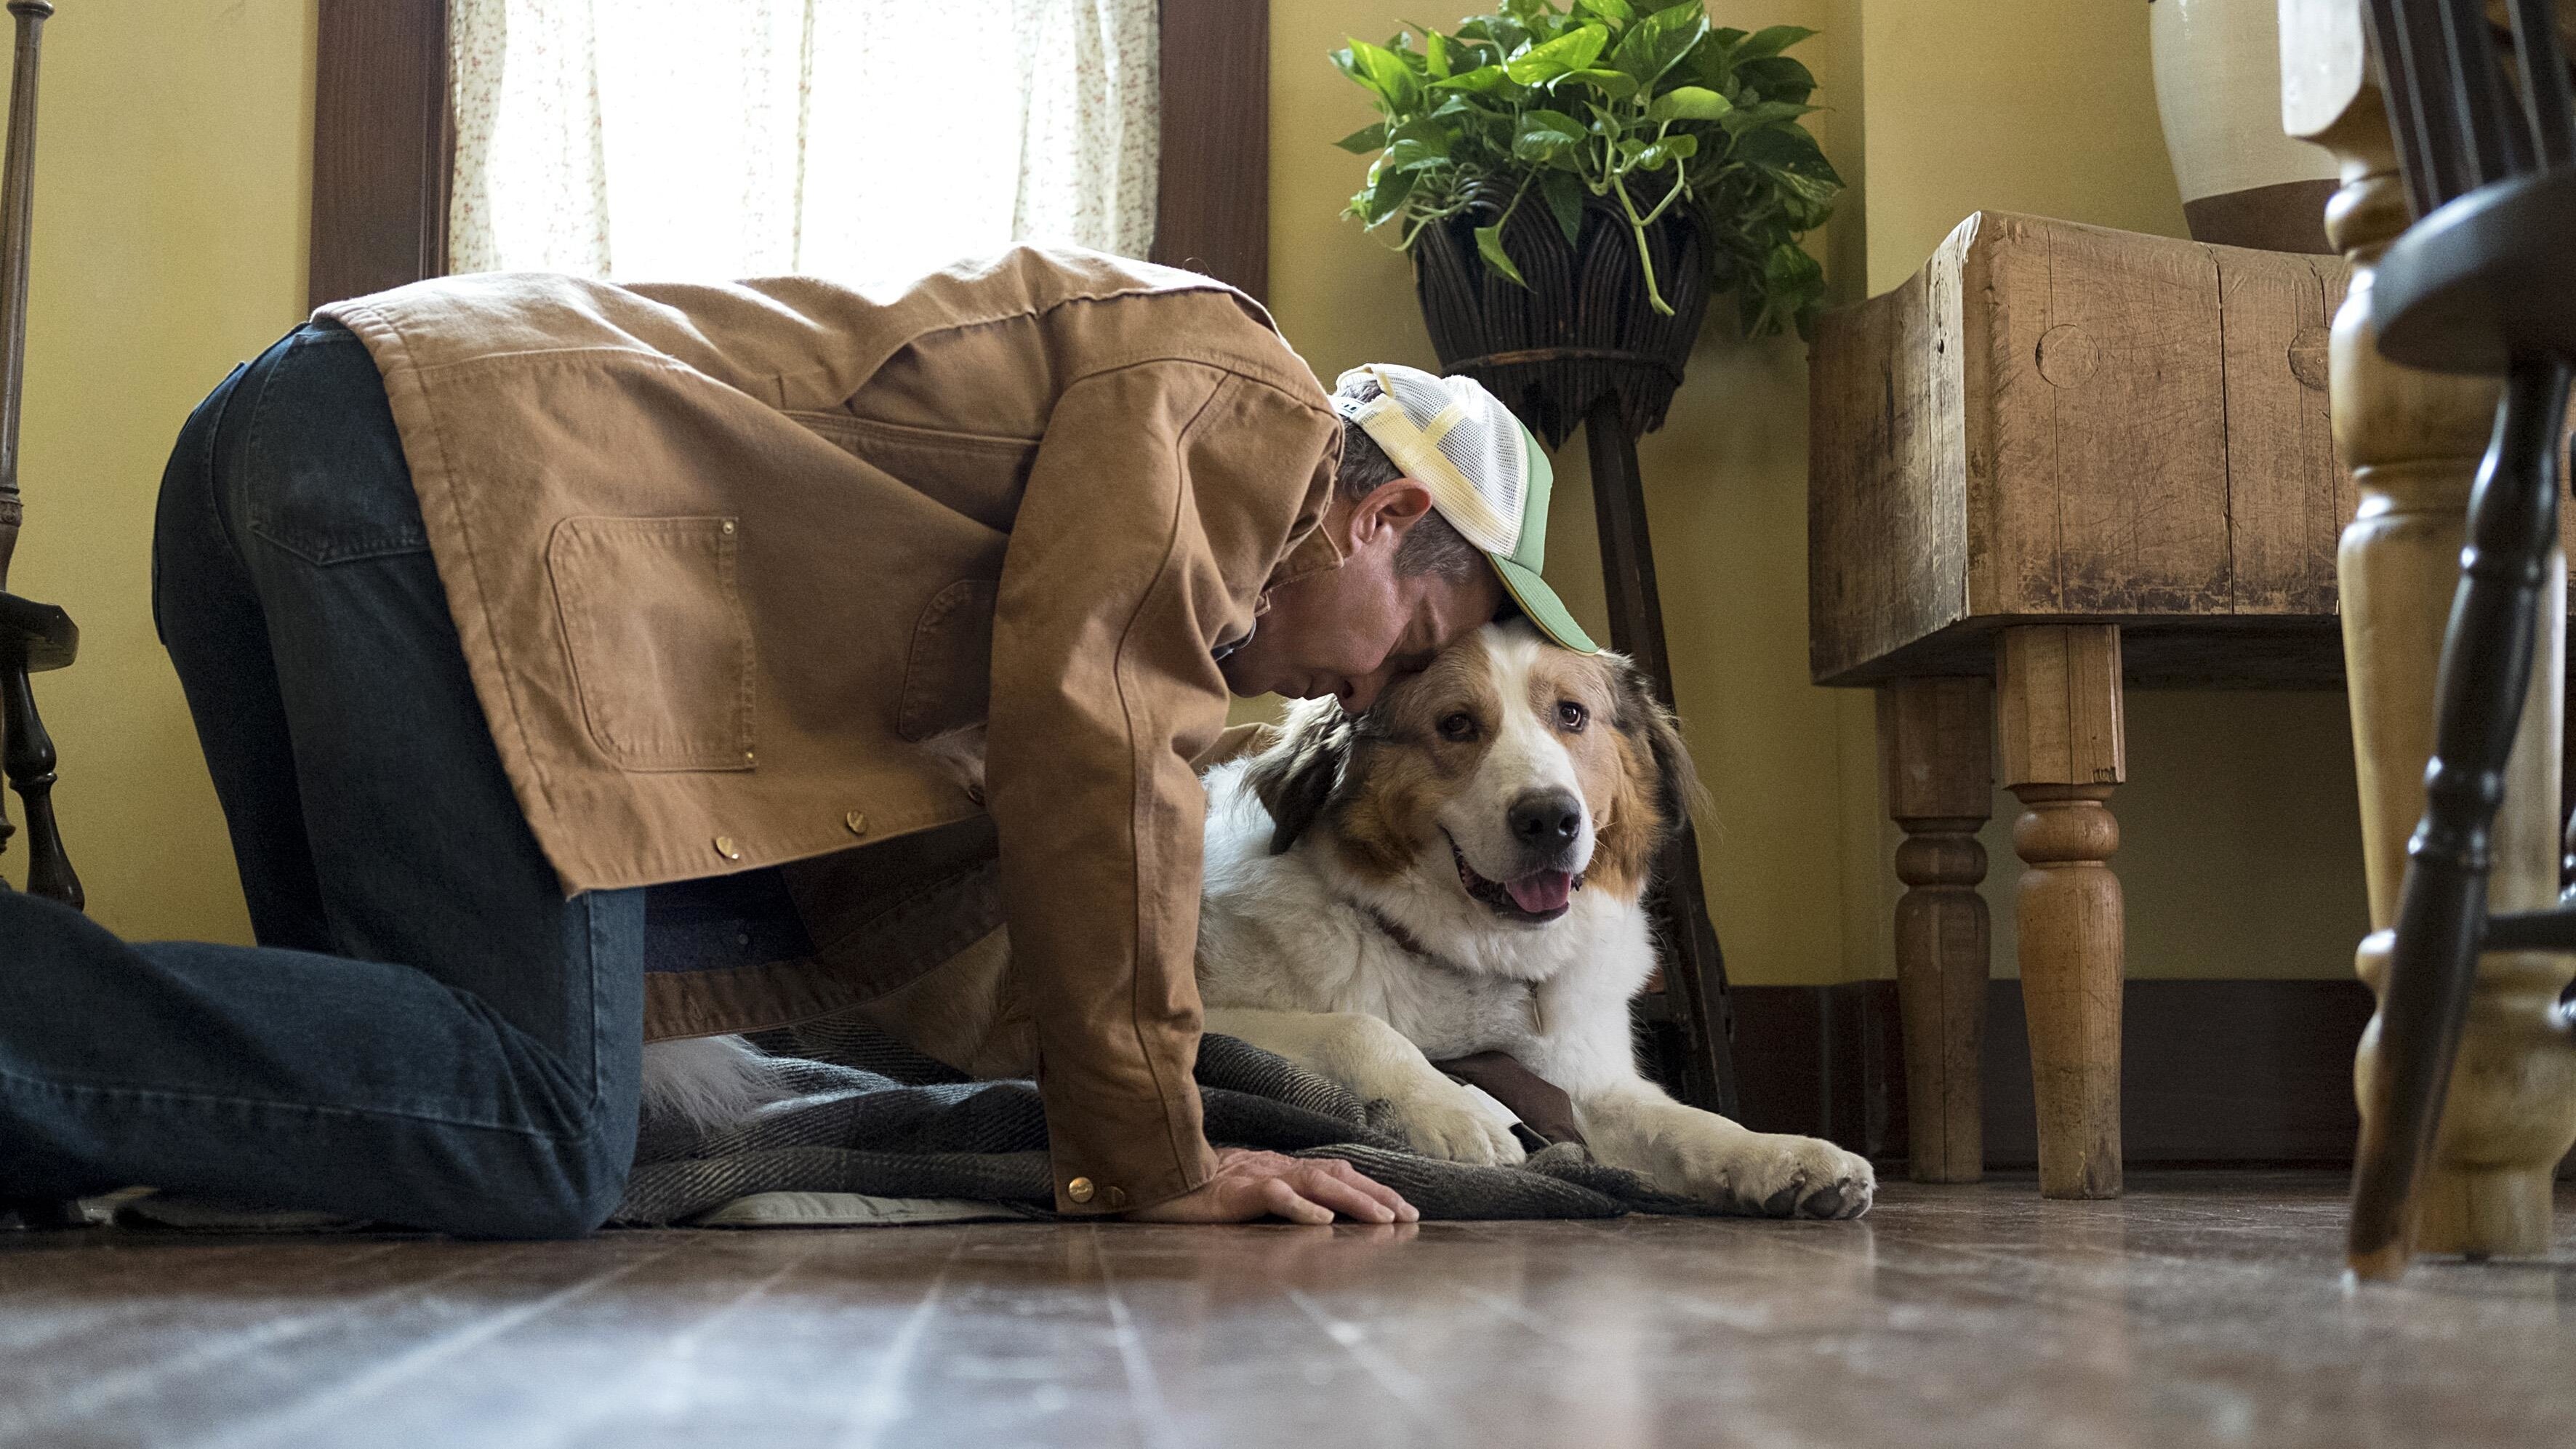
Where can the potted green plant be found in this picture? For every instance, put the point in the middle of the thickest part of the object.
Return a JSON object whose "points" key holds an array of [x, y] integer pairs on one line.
{"points": [[1574, 185]]}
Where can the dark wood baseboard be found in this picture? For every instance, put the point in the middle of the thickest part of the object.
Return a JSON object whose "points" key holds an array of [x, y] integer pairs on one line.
{"points": [[2235, 1072]]}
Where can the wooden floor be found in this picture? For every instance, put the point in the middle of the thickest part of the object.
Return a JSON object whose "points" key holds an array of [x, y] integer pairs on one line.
{"points": [[2202, 1310]]}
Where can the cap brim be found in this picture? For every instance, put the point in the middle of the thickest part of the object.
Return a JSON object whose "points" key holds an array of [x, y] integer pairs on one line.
{"points": [[1542, 606]]}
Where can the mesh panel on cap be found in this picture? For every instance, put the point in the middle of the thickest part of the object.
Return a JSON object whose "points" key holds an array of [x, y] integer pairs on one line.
{"points": [[1459, 440]]}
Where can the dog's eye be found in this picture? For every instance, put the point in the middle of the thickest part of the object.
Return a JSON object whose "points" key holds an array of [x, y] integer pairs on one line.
{"points": [[1459, 726], [1571, 716]]}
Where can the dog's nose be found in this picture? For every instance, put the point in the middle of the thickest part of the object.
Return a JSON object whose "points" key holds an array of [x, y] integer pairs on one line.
{"points": [[1546, 819]]}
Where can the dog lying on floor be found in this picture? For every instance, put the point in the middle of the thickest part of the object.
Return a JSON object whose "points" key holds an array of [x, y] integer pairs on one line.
{"points": [[1460, 870]]}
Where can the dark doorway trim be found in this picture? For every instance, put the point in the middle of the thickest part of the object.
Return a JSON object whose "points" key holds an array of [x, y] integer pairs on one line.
{"points": [[1212, 211], [384, 144], [381, 146]]}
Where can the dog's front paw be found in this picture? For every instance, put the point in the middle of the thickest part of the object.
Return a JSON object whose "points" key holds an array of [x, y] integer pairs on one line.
{"points": [[1440, 1118], [1778, 1176]]}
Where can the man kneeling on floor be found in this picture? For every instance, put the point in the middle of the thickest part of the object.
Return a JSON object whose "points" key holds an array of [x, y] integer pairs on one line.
{"points": [[538, 629]]}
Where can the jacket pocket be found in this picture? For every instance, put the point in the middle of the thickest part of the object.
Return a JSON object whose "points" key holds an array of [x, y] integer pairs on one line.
{"points": [[948, 673], [660, 646]]}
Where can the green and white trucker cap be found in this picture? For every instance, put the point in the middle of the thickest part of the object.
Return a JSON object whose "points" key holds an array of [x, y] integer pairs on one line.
{"points": [[1486, 474]]}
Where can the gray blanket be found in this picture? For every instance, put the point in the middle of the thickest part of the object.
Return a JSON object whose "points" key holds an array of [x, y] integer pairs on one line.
{"points": [[863, 1114]]}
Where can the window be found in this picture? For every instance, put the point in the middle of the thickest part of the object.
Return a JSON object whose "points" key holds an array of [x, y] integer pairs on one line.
{"points": [[864, 140], [385, 137]]}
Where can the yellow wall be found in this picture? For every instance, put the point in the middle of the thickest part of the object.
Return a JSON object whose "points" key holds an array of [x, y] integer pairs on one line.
{"points": [[170, 244], [2242, 851], [171, 193]]}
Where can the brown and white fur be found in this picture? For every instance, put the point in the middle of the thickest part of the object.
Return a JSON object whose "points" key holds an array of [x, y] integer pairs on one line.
{"points": [[1460, 869]]}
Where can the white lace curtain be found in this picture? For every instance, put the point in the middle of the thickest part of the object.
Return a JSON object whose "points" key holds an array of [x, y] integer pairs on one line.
{"points": [[863, 140]]}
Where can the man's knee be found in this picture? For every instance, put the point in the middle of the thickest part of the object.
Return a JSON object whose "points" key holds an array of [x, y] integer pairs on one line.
{"points": [[570, 1186], [594, 1183]]}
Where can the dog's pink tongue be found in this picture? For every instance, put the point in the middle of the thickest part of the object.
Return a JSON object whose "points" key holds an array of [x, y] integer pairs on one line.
{"points": [[1541, 891]]}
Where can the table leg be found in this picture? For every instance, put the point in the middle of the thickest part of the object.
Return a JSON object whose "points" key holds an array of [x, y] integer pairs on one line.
{"points": [[2058, 707], [1936, 760]]}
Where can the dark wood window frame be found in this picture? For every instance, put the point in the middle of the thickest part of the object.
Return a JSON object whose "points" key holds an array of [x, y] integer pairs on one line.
{"points": [[384, 144]]}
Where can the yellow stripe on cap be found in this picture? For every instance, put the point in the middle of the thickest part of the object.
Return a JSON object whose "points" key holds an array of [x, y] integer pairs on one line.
{"points": [[1417, 452]]}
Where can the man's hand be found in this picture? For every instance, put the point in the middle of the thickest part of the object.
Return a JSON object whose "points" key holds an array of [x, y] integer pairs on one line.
{"points": [[1250, 1184]]}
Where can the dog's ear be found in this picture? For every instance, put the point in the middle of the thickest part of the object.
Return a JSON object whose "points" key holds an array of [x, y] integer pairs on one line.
{"points": [[1295, 777], [1645, 721]]}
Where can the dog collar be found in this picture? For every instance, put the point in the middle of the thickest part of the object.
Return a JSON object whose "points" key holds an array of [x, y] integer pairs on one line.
{"points": [[1412, 945]]}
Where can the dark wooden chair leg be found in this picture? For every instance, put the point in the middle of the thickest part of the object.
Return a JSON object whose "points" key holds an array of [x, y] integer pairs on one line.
{"points": [[2486, 671], [27, 754]]}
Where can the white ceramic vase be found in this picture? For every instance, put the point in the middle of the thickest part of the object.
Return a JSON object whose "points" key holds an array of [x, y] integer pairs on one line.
{"points": [[2218, 90]]}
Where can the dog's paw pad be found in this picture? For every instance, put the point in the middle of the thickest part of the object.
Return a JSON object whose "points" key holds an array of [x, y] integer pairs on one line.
{"points": [[1784, 1177]]}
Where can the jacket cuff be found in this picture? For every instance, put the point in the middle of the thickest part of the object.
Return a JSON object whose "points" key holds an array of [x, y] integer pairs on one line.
{"points": [[1114, 1155]]}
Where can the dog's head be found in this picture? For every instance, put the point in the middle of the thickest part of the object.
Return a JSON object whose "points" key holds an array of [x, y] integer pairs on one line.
{"points": [[1528, 771]]}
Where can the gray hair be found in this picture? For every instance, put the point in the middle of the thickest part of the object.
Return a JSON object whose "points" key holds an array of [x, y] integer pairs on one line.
{"points": [[1433, 546]]}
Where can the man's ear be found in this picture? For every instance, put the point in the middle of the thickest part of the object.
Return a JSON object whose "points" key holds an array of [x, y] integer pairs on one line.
{"points": [[1297, 776], [1394, 506], [1644, 719]]}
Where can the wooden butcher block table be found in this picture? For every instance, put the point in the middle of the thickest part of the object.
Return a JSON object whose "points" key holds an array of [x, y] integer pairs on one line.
{"points": [[2056, 459]]}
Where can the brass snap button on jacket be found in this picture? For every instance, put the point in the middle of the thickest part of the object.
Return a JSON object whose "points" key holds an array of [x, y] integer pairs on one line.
{"points": [[1079, 1189], [726, 848], [857, 822]]}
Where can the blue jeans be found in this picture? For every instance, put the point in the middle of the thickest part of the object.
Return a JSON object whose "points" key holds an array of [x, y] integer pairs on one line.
{"points": [[428, 1033]]}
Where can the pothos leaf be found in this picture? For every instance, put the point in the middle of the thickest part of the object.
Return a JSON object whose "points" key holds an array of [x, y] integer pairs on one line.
{"points": [[1366, 139], [1386, 193], [1770, 41], [1542, 130], [1574, 50], [1662, 153], [1652, 46], [1489, 244], [1768, 113], [1688, 103], [1414, 155], [1617, 85], [1383, 71], [1482, 78], [1787, 147], [1776, 78], [1563, 192]]}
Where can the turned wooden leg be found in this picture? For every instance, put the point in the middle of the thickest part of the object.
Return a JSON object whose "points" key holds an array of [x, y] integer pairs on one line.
{"points": [[2414, 441], [2057, 704], [1936, 758], [27, 757]]}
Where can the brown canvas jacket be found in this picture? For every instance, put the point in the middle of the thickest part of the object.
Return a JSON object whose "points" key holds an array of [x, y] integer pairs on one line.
{"points": [[722, 557]]}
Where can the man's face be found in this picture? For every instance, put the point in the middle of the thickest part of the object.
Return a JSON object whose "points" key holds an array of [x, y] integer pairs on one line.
{"points": [[1351, 631]]}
